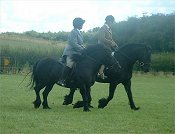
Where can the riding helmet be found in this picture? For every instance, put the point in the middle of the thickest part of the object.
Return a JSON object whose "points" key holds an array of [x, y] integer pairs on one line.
{"points": [[110, 18], [78, 22]]}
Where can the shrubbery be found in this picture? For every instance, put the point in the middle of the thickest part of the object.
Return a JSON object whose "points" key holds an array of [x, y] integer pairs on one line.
{"points": [[163, 62], [28, 53]]}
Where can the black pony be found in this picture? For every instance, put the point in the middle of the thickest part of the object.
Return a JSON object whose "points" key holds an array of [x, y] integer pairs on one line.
{"points": [[47, 72], [127, 55]]}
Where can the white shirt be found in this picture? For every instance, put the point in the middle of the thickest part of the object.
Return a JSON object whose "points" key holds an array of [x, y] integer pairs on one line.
{"points": [[78, 31], [107, 26]]}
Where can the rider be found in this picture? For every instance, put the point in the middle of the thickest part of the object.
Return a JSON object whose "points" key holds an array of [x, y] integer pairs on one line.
{"points": [[105, 38], [74, 47]]}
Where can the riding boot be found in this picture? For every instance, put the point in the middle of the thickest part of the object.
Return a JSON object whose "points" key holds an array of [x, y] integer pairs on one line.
{"points": [[64, 76]]}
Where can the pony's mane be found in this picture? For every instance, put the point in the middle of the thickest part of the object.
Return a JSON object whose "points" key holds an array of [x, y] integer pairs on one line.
{"points": [[132, 45], [92, 48]]}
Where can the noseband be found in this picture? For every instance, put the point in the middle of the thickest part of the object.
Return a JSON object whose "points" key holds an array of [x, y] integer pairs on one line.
{"points": [[143, 64]]}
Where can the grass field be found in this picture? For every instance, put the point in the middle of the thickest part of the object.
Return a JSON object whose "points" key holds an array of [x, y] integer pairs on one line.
{"points": [[154, 94]]}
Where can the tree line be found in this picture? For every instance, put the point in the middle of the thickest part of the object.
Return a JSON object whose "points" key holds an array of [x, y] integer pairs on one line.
{"points": [[156, 30]]}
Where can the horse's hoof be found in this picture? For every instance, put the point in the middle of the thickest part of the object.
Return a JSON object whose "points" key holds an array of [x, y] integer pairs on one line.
{"points": [[99, 106], [90, 106], [46, 107], [78, 104], [136, 108], [65, 103], [86, 110], [36, 105], [67, 100], [102, 103]]}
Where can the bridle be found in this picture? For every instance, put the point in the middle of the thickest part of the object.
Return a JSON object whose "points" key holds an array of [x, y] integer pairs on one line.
{"points": [[141, 64]]}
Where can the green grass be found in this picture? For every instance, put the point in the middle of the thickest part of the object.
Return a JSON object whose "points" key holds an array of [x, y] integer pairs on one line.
{"points": [[154, 94]]}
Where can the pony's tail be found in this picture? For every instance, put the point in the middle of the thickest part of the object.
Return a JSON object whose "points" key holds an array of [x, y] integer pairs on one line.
{"points": [[33, 79], [24, 78], [32, 83]]}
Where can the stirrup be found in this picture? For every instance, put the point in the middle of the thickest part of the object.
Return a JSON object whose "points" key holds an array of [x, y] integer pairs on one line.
{"points": [[62, 83]]}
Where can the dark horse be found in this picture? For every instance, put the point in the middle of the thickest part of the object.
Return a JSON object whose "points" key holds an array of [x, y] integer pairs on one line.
{"points": [[127, 55], [47, 72]]}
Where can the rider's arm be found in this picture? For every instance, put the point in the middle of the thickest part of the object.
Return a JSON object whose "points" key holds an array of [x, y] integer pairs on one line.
{"points": [[106, 40], [102, 37], [75, 41]]}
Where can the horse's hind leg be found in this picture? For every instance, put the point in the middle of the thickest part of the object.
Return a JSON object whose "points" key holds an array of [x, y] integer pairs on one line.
{"points": [[80, 104], [45, 94], [37, 89]]}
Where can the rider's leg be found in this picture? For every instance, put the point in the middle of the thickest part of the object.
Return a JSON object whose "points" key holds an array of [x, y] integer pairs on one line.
{"points": [[101, 72], [66, 71]]}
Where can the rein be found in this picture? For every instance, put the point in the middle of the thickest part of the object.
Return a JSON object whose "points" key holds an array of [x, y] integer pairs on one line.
{"points": [[141, 64], [99, 62]]}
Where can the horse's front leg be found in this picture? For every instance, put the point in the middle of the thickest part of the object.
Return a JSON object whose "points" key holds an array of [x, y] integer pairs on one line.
{"points": [[68, 99], [84, 94], [127, 86], [103, 102], [89, 98], [80, 104]]}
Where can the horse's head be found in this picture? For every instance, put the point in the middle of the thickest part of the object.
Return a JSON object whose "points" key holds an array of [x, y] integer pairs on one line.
{"points": [[145, 58]]}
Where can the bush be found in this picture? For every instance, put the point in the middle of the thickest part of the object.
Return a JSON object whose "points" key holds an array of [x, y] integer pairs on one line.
{"points": [[163, 62], [26, 51]]}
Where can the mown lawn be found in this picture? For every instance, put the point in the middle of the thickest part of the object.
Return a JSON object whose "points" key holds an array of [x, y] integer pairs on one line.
{"points": [[154, 94]]}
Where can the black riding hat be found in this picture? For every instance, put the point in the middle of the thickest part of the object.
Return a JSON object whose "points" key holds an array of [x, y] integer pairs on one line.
{"points": [[78, 22], [110, 18]]}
